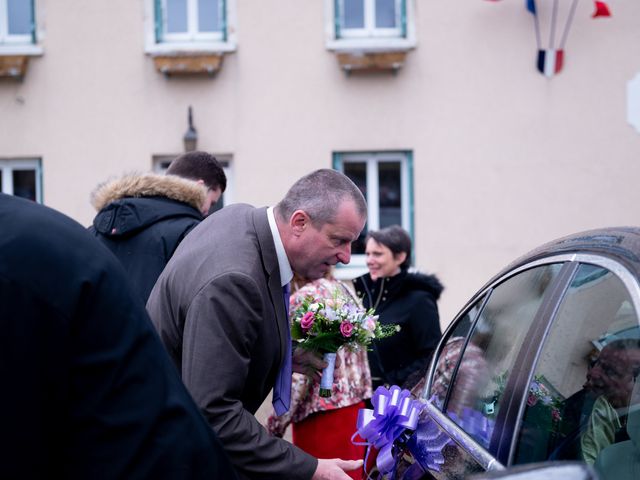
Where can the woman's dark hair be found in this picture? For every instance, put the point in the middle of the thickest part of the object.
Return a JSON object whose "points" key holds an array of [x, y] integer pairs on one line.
{"points": [[396, 239]]}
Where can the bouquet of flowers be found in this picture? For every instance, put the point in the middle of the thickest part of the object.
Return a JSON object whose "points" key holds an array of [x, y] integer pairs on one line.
{"points": [[325, 324]]}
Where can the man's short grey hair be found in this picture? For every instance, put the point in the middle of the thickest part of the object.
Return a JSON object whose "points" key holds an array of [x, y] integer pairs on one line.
{"points": [[320, 194]]}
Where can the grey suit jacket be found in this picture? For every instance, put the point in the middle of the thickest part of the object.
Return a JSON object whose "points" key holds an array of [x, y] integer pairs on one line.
{"points": [[219, 309]]}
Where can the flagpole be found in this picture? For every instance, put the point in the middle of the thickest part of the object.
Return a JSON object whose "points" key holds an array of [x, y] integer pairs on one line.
{"points": [[537, 24], [568, 24], [552, 31]]}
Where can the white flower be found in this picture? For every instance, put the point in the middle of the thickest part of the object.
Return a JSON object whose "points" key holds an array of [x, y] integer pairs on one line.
{"points": [[331, 314]]}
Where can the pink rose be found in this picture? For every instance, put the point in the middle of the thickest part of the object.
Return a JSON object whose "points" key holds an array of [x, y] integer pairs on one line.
{"points": [[369, 324], [306, 322], [532, 400], [346, 329]]}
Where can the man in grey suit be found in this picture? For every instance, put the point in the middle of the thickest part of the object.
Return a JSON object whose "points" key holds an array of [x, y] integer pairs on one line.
{"points": [[220, 311]]}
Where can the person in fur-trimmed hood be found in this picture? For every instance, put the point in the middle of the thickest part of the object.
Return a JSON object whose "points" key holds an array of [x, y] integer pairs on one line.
{"points": [[142, 218], [403, 298]]}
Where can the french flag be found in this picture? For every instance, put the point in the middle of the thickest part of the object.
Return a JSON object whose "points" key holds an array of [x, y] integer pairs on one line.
{"points": [[602, 10], [550, 61]]}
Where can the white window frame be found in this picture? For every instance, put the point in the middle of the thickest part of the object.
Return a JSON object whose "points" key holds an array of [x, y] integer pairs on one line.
{"points": [[369, 39], [357, 266], [192, 41], [8, 166], [192, 34], [16, 44], [369, 30]]}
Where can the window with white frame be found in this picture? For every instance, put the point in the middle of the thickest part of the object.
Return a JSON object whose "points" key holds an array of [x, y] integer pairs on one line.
{"points": [[161, 163], [190, 21], [385, 179], [22, 178], [370, 26], [17, 22], [370, 18]]}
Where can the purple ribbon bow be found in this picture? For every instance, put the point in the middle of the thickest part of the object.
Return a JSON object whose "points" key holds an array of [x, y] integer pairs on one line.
{"points": [[393, 412]]}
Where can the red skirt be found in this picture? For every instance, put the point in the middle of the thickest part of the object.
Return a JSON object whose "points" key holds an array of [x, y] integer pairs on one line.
{"points": [[328, 435]]}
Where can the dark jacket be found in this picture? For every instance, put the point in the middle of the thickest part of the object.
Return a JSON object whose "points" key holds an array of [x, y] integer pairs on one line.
{"points": [[88, 390], [408, 300], [142, 219]]}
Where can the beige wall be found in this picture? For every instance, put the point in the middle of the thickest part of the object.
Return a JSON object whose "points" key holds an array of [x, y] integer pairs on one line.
{"points": [[504, 158]]}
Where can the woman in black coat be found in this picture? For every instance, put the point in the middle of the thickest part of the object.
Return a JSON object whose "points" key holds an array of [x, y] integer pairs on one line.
{"points": [[403, 298]]}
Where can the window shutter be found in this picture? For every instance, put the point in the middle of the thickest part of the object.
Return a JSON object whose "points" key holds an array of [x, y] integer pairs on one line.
{"points": [[336, 16], [157, 16], [403, 17], [33, 22], [223, 19]]}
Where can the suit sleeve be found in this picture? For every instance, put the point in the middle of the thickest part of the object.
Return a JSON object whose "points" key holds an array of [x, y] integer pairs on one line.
{"points": [[221, 333]]}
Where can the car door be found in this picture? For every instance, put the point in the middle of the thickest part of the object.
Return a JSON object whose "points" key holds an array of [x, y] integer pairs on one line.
{"points": [[583, 394], [565, 390], [472, 377]]}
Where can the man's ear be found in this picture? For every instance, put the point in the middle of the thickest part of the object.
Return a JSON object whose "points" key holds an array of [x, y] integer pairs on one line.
{"points": [[299, 222]]}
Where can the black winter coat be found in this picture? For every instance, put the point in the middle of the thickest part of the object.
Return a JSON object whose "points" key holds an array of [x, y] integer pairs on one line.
{"points": [[88, 390], [144, 231], [408, 300]]}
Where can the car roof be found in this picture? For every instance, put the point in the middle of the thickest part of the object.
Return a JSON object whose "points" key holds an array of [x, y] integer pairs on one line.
{"points": [[619, 243]]}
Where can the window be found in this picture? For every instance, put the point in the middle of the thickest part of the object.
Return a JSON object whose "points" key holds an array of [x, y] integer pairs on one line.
{"points": [[385, 181], [161, 163], [371, 18], [22, 178], [190, 20], [17, 22], [489, 356], [448, 363], [370, 25], [581, 398], [193, 25]]}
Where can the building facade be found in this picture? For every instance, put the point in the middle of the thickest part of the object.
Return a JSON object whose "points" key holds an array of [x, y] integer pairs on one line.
{"points": [[436, 109]]}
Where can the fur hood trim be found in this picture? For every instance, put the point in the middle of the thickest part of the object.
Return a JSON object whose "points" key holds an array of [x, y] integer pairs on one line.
{"points": [[420, 281], [149, 185]]}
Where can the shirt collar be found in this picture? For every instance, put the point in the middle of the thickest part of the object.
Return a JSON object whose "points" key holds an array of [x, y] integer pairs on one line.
{"points": [[286, 274]]}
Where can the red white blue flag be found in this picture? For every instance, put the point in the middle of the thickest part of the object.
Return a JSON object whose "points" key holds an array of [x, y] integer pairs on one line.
{"points": [[602, 10], [550, 58], [550, 61]]}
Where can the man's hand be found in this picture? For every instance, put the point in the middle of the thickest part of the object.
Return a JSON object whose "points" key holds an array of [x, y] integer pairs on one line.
{"points": [[309, 363], [334, 468]]}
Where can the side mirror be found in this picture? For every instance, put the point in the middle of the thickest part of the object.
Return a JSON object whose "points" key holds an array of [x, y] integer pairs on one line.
{"points": [[542, 471]]}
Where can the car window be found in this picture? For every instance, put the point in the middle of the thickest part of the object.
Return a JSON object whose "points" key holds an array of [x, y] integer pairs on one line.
{"points": [[578, 403], [449, 356], [488, 357]]}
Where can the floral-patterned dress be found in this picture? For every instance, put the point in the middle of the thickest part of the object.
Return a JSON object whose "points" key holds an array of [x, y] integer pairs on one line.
{"points": [[334, 416]]}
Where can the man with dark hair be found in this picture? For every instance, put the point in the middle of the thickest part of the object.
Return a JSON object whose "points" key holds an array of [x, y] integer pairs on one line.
{"points": [[204, 169], [143, 218], [220, 309], [88, 390]]}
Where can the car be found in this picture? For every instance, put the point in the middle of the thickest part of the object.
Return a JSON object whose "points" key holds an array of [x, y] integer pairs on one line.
{"points": [[541, 365]]}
